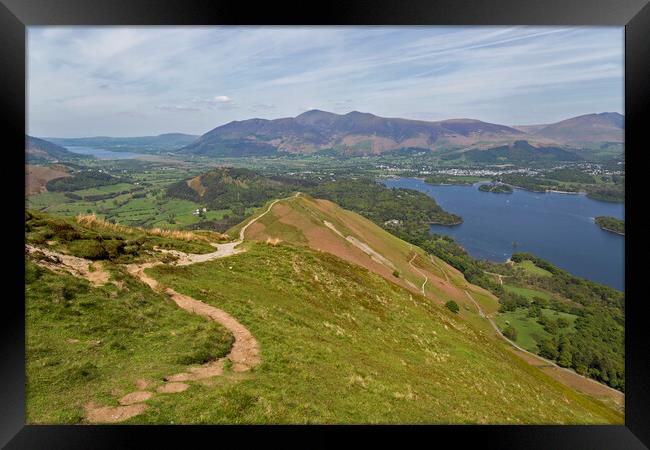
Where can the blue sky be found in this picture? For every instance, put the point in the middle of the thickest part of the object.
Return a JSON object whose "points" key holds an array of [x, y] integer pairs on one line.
{"points": [[134, 81]]}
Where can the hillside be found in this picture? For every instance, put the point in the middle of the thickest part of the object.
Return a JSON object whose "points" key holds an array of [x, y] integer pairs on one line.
{"points": [[603, 127], [141, 144], [325, 226], [41, 151], [37, 176], [320, 321], [236, 189], [519, 152], [354, 133]]}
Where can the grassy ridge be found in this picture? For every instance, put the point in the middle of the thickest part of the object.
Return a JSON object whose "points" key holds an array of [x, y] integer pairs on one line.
{"points": [[375, 352], [87, 343]]}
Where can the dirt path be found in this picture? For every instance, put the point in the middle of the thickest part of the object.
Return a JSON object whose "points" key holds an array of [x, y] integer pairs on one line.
{"points": [[79, 267], [444, 272], [245, 227], [478, 307], [418, 271], [244, 354], [562, 374], [498, 275]]}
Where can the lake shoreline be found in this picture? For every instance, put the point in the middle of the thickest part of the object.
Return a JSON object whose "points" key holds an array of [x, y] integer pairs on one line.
{"points": [[491, 223]]}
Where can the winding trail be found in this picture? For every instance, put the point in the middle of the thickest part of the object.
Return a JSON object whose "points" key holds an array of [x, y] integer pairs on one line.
{"points": [[564, 375], [498, 275], [418, 271], [435, 263], [245, 227], [244, 354]]}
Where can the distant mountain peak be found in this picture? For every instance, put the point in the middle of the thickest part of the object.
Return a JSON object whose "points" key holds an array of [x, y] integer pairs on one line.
{"points": [[363, 133]]}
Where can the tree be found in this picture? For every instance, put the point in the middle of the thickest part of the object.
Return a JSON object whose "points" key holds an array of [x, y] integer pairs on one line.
{"points": [[510, 332], [548, 349], [534, 311], [452, 306], [565, 357], [562, 322]]}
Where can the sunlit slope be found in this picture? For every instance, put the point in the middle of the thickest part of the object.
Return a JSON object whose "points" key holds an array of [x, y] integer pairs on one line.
{"points": [[325, 226], [340, 344]]}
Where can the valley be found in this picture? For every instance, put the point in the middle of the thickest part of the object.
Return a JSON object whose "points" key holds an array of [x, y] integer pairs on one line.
{"points": [[332, 263]]}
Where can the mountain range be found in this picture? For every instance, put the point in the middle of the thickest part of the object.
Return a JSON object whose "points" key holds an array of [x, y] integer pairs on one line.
{"points": [[358, 133], [361, 134]]}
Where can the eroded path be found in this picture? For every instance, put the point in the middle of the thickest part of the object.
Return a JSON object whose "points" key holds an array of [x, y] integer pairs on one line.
{"points": [[243, 356], [426, 279]]}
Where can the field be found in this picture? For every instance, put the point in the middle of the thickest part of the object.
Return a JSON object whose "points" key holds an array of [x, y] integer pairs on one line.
{"points": [[529, 331], [530, 268], [528, 293], [137, 203]]}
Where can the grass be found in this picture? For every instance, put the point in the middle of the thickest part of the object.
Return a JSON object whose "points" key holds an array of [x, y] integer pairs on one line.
{"points": [[301, 220], [530, 268], [90, 237], [88, 343], [528, 293], [343, 345], [529, 332]]}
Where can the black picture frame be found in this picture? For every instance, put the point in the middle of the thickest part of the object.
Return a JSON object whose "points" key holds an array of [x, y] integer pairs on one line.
{"points": [[15, 15]]}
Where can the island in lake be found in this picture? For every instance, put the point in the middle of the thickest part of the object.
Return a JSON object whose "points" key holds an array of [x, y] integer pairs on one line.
{"points": [[611, 224], [496, 188]]}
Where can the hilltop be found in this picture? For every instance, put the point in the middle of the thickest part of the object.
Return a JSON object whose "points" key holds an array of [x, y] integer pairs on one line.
{"points": [[359, 133], [603, 127], [324, 226], [355, 133], [42, 151]]}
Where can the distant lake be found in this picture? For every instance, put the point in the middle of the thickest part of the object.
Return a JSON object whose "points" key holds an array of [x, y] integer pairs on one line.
{"points": [[103, 154], [557, 227]]}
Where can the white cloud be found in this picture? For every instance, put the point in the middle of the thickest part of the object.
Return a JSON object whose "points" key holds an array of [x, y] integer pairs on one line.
{"points": [[81, 78]]}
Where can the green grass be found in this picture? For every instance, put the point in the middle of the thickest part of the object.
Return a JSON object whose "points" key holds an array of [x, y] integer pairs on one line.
{"points": [[88, 343], [119, 187], [528, 293], [531, 269], [529, 332], [342, 345], [100, 241]]}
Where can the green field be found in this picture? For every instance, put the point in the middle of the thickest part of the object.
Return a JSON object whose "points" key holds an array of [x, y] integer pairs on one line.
{"points": [[528, 293], [530, 268], [529, 332]]}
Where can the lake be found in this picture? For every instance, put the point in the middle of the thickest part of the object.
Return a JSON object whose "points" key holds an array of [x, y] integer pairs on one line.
{"points": [[557, 227], [100, 153]]}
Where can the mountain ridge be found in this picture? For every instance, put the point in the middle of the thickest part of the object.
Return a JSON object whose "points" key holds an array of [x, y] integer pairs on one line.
{"points": [[42, 151], [362, 133]]}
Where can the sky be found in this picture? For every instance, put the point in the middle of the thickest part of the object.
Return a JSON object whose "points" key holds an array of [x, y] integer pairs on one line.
{"points": [[140, 81]]}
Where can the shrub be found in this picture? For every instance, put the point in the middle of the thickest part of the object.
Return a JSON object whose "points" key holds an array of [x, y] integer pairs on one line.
{"points": [[452, 306], [114, 247], [88, 248], [510, 332]]}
